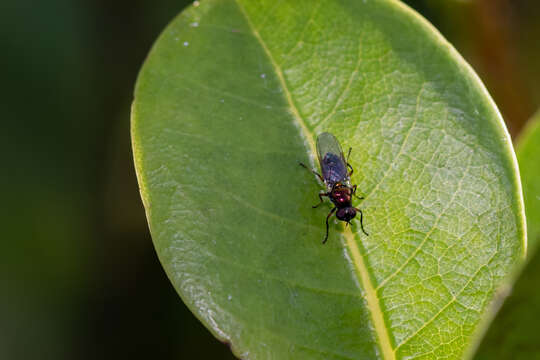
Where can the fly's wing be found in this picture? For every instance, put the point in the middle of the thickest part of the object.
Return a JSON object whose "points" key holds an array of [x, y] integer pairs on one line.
{"points": [[331, 159]]}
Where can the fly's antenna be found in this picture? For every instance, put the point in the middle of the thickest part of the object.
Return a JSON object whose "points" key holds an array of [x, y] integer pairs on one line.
{"points": [[349, 154]]}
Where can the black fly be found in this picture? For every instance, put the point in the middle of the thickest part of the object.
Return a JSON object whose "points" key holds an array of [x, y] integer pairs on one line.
{"points": [[336, 175]]}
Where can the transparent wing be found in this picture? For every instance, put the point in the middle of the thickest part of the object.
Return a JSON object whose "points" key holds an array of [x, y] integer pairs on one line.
{"points": [[331, 159]]}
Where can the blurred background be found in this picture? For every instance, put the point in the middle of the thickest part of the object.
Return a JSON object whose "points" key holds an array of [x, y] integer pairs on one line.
{"points": [[80, 278]]}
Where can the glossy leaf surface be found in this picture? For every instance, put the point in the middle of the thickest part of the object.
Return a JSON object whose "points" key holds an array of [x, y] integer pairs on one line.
{"points": [[231, 99]]}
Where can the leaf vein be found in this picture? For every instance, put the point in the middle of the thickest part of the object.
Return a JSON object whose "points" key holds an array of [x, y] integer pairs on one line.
{"points": [[428, 234], [454, 299], [373, 304], [401, 149], [341, 97]]}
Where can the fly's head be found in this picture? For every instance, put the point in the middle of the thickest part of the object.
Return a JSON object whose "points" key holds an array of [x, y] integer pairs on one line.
{"points": [[346, 214]]}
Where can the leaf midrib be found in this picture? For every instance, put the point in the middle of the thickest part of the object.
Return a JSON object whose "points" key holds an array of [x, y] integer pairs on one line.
{"points": [[357, 259]]}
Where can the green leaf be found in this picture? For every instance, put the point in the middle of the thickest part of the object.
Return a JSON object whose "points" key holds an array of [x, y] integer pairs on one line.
{"points": [[232, 97], [528, 148], [513, 334]]}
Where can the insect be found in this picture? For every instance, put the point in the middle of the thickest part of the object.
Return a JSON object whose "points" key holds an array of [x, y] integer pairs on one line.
{"points": [[336, 176]]}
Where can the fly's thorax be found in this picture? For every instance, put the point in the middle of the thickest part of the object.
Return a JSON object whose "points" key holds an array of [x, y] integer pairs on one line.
{"points": [[330, 186], [341, 195]]}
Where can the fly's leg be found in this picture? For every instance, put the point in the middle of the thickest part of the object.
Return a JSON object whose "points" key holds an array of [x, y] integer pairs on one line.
{"points": [[313, 171], [361, 221], [327, 218], [354, 193], [321, 198]]}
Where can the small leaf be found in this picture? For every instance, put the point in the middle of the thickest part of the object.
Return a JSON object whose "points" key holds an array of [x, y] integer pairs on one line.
{"points": [[229, 101], [528, 149], [513, 334]]}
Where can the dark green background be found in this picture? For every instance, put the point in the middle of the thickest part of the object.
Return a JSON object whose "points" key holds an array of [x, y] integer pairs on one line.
{"points": [[80, 277]]}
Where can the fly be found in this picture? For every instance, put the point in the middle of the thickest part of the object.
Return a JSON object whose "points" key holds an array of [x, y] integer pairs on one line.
{"points": [[336, 176]]}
